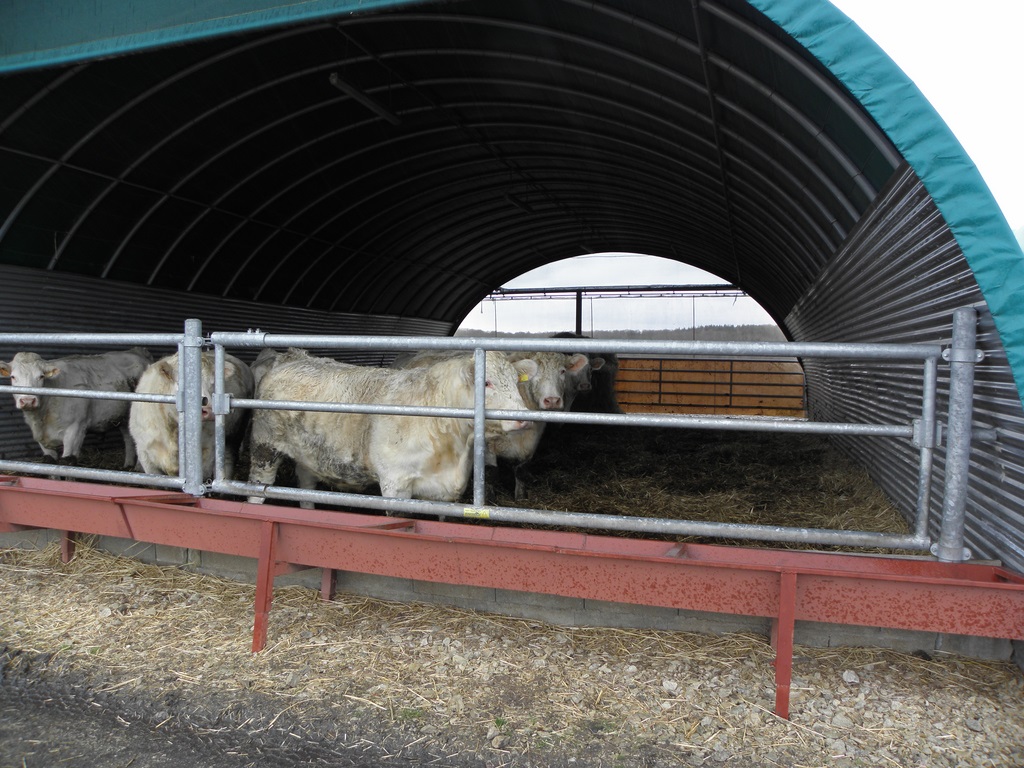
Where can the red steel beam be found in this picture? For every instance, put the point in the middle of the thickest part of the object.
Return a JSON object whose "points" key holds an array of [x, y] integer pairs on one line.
{"points": [[784, 585], [783, 629]]}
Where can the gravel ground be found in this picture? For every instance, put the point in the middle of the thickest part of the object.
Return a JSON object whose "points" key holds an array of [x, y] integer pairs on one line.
{"points": [[154, 664]]}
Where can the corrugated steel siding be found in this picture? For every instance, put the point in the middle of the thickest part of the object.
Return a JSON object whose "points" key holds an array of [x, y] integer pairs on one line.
{"points": [[898, 278], [38, 301]]}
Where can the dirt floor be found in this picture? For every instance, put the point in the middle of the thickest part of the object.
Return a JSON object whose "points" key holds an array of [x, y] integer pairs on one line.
{"points": [[57, 725]]}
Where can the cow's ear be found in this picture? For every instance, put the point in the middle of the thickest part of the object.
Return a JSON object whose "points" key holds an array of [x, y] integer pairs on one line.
{"points": [[526, 367], [468, 369], [230, 371], [168, 371], [49, 373], [577, 363], [596, 363], [5, 370]]}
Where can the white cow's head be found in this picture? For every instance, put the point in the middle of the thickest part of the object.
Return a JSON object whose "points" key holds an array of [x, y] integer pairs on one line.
{"points": [[502, 390], [556, 372], [168, 369], [28, 369]]}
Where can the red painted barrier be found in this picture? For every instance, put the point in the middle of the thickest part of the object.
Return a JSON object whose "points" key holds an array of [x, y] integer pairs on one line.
{"points": [[784, 585]]}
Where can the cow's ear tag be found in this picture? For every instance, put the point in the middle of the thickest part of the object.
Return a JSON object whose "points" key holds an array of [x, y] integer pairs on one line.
{"points": [[524, 377]]}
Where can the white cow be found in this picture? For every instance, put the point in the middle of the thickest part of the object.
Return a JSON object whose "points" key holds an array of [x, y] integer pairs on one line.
{"points": [[155, 425], [408, 456], [62, 422], [543, 391], [549, 390]]}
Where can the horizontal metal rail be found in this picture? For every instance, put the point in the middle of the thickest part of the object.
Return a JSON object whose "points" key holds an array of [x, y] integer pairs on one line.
{"points": [[258, 340], [701, 291], [88, 473], [92, 339], [603, 522], [89, 394], [735, 423]]}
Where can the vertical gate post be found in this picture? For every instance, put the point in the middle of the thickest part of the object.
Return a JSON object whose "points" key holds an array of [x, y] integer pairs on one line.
{"points": [[221, 409], [479, 443], [190, 432], [962, 357]]}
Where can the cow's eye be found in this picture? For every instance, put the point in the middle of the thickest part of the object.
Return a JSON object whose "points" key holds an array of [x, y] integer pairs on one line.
{"points": [[13, 378], [489, 384]]}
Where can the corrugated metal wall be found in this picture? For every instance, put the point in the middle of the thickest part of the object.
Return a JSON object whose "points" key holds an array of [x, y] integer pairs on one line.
{"points": [[898, 278], [38, 301]]}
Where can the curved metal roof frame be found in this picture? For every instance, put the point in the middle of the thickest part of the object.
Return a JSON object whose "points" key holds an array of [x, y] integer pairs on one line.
{"points": [[401, 159]]}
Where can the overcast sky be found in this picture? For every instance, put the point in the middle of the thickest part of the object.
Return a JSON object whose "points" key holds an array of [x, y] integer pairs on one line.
{"points": [[966, 58]]}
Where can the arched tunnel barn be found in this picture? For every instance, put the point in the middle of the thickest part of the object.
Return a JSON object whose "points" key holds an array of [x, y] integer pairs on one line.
{"points": [[344, 167]]}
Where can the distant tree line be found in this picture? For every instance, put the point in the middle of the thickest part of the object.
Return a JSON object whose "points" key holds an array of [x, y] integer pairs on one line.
{"points": [[701, 333]]}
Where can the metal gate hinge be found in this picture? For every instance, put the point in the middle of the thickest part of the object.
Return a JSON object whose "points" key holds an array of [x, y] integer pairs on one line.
{"points": [[221, 403], [951, 355], [922, 439], [936, 549]]}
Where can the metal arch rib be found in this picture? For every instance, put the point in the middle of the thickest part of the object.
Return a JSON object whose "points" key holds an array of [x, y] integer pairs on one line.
{"points": [[716, 128], [522, 179], [839, 98], [173, 134], [101, 126], [824, 237]]}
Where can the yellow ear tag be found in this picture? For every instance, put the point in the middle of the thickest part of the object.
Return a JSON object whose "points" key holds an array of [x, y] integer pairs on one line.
{"points": [[524, 377]]}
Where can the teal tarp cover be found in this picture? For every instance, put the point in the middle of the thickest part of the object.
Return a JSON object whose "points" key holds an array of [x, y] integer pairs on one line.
{"points": [[34, 33]]}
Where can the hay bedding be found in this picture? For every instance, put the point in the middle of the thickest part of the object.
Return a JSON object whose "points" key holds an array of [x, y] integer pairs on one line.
{"points": [[417, 684], [729, 477]]}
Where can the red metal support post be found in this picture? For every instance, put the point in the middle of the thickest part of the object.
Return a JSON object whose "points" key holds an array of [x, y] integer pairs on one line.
{"points": [[67, 546], [783, 628], [264, 584], [327, 585]]}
